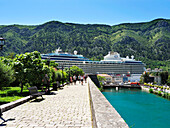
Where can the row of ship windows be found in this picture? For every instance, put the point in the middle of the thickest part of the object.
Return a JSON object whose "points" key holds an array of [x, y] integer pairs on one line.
{"points": [[134, 69], [116, 70], [113, 68], [122, 66], [96, 64], [93, 62], [67, 62]]}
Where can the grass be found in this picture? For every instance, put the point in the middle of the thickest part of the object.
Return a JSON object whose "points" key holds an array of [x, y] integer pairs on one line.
{"points": [[10, 99], [9, 94]]}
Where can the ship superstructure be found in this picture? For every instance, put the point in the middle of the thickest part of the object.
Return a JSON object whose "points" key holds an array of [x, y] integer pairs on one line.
{"points": [[112, 63], [58, 55]]}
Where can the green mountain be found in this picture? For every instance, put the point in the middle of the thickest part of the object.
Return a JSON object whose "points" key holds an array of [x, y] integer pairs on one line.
{"points": [[148, 41]]}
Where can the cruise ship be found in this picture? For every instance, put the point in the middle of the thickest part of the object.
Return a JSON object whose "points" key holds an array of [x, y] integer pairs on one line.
{"points": [[59, 56], [112, 64]]}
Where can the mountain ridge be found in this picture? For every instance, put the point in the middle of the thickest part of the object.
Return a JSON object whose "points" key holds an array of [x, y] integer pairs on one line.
{"points": [[144, 40]]}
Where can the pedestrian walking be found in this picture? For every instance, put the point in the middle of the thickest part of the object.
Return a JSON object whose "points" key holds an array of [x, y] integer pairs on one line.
{"points": [[74, 79], [85, 78], [81, 80], [79, 77], [46, 83], [71, 80]]}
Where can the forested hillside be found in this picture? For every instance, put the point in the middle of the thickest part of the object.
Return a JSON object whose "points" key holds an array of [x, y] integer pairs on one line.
{"points": [[149, 41]]}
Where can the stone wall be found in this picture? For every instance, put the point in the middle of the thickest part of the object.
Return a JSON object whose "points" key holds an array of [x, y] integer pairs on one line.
{"points": [[8, 106], [104, 115]]}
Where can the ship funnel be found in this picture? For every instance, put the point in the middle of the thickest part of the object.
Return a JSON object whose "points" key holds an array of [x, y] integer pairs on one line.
{"points": [[75, 52], [132, 57], [127, 57]]}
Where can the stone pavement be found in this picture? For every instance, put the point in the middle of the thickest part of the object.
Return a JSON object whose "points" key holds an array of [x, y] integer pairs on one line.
{"points": [[68, 108]]}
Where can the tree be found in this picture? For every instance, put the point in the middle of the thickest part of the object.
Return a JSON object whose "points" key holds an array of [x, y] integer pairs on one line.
{"points": [[6, 75], [61, 75], [11, 55], [29, 68], [65, 76], [168, 81], [51, 63], [7, 61], [164, 77], [19, 73], [101, 80], [53, 74], [145, 77], [74, 70]]}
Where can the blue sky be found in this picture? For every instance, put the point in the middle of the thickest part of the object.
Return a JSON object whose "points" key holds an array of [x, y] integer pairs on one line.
{"points": [[111, 12]]}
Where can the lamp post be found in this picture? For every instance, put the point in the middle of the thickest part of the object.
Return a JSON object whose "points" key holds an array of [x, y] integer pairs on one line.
{"points": [[62, 75], [48, 61], [69, 75], [2, 42], [48, 82]]}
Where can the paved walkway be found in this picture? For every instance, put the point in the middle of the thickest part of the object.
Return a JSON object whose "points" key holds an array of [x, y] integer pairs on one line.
{"points": [[69, 108]]}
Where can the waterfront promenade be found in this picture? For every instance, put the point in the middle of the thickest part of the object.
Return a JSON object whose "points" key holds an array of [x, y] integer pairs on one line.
{"points": [[67, 108]]}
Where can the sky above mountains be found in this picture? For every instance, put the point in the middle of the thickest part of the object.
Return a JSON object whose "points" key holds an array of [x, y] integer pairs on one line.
{"points": [[111, 12]]}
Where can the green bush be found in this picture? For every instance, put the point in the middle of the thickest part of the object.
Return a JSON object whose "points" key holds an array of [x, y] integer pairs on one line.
{"points": [[101, 89], [164, 95], [59, 75], [151, 90], [53, 75], [168, 81], [74, 70], [159, 93], [6, 75]]}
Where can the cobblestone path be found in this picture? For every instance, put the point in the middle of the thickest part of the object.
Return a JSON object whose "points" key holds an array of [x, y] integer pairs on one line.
{"points": [[68, 108]]}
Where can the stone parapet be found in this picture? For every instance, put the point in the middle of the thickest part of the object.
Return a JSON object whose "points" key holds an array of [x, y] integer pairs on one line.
{"points": [[103, 113], [13, 104]]}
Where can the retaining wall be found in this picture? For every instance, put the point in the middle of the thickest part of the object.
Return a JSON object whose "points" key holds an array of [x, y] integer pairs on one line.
{"points": [[13, 104], [103, 113]]}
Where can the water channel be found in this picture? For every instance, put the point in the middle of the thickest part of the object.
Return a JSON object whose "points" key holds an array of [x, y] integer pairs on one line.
{"points": [[140, 109]]}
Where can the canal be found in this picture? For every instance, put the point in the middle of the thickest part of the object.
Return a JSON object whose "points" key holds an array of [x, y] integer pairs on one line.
{"points": [[140, 109]]}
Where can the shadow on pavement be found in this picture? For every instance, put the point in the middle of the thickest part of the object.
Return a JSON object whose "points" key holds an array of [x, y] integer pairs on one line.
{"points": [[51, 93], [37, 100], [2, 124]]}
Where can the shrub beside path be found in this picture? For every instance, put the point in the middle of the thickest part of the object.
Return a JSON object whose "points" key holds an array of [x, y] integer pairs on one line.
{"points": [[68, 108]]}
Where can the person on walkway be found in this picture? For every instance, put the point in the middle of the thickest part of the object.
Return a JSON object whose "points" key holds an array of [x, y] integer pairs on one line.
{"points": [[81, 80], [79, 77], [85, 78], [46, 83], [74, 79], [71, 80]]}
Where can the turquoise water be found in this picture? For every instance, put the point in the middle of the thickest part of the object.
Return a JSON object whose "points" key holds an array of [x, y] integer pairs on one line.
{"points": [[140, 109]]}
